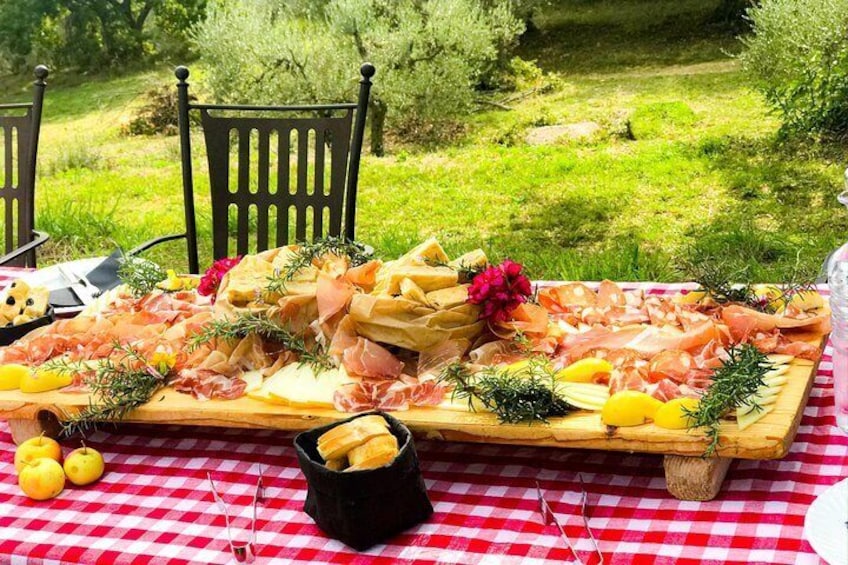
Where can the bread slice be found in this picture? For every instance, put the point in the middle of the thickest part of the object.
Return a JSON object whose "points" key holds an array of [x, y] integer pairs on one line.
{"points": [[376, 452], [340, 440]]}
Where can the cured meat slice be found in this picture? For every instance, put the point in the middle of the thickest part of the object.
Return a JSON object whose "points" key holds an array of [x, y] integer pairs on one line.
{"points": [[575, 345], [332, 295], [527, 318], [431, 361], [653, 340], [367, 359], [563, 298], [610, 294], [671, 364], [385, 395], [204, 384], [743, 322], [664, 390], [364, 276], [627, 378]]}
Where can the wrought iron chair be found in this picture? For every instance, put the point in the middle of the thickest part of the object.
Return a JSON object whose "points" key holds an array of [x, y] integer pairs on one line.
{"points": [[20, 148], [329, 189]]}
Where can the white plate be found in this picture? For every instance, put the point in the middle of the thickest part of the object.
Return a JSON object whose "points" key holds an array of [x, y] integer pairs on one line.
{"points": [[51, 278], [826, 524]]}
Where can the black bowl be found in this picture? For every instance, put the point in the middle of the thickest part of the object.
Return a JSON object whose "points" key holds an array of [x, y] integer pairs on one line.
{"points": [[10, 334], [363, 508]]}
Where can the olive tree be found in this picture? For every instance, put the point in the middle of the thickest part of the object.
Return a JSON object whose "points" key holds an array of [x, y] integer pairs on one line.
{"points": [[429, 54]]}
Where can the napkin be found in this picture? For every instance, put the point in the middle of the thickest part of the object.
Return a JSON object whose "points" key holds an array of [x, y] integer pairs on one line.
{"points": [[105, 275], [64, 298]]}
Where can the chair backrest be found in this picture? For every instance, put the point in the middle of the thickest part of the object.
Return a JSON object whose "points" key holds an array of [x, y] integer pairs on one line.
{"points": [[19, 140], [313, 197]]}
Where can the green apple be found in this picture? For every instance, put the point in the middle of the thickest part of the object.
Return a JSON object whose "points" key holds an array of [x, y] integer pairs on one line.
{"points": [[42, 478], [83, 466], [37, 447]]}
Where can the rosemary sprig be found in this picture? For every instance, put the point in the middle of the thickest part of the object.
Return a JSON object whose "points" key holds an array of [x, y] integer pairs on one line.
{"points": [[120, 387], [465, 273], [528, 394], [725, 284], [356, 252], [140, 275], [734, 384], [233, 329]]}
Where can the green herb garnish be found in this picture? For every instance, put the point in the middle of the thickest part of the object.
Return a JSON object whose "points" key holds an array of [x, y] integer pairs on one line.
{"points": [[120, 387], [140, 275], [734, 384], [726, 284], [356, 252], [241, 326], [465, 273], [528, 394]]}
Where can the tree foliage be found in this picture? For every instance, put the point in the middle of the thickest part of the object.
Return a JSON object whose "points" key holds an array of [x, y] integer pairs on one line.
{"points": [[88, 33], [429, 54], [798, 58]]}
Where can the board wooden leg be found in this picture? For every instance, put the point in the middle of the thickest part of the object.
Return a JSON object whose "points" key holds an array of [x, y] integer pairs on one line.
{"points": [[46, 423], [694, 478]]}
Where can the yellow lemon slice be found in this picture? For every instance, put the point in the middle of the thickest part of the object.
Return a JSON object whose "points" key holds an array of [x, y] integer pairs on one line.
{"points": [[11, 375], [582, 371], [629, 408], [42, 380], [672, 414]]}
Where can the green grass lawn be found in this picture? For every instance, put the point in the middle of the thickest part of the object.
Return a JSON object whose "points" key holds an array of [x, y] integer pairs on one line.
{"points": [[704, 168]]}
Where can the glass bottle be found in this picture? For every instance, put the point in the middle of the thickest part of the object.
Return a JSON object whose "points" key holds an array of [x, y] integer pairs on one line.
{"points": [[838, 283]]}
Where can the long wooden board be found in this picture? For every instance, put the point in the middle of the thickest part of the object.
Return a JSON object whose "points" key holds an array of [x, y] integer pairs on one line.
{"points": [[770, 438]]}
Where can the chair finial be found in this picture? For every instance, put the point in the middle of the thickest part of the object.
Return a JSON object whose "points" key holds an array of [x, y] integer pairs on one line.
{"points": [[41, 72], [181, 73], [367, 70]]}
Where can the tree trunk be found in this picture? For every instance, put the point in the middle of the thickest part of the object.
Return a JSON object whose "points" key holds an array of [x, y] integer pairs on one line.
{"points": [[378, 125]]}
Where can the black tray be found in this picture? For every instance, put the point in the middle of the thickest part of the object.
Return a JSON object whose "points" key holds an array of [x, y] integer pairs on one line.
{"points": [[9, 334]]}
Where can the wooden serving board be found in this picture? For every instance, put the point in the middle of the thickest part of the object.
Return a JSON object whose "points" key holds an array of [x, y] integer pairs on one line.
{"points": [[689, 476]]}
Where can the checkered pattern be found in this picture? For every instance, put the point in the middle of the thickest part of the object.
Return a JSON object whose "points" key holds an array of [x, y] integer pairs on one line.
{"points": [[154, 505]]}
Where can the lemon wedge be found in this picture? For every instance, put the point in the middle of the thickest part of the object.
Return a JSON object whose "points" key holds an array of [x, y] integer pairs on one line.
{"points": [[42, 380], [582, 371], [672, 414], [11, 375], [629, 408]]}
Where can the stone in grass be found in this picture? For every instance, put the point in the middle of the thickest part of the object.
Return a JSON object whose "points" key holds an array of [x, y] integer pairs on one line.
{"points": [[550, 135], [659, 119]]}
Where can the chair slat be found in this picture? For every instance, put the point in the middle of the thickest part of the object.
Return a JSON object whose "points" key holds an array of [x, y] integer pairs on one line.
{"points": [[7, 158]]}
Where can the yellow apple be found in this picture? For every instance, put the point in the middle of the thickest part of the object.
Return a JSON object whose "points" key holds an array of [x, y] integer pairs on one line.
{"points": [[83, 466], [41, 479], [11, 375], [35, 448]]}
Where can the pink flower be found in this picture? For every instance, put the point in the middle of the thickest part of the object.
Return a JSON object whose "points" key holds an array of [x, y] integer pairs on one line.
{"points": [[210, 282], [500, 290]]}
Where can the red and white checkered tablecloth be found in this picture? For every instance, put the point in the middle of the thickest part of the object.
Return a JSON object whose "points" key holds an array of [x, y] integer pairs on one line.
{"points": [[154, 505]]}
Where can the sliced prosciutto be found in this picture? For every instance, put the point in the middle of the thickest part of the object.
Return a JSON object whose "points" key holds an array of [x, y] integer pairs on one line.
{"points": [[387, 395], [367, 359], [204, 384]]}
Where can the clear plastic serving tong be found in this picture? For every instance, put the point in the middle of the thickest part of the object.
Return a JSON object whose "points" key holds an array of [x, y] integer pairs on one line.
{"points": [[549, 518], [243, 552]]}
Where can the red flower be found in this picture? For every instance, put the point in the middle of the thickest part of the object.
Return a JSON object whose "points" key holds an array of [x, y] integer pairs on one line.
{"points": [[212, 279], [500, 290]]}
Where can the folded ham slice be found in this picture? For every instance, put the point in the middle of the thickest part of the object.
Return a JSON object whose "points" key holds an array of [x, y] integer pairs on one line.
{"points": [[367, 359]]}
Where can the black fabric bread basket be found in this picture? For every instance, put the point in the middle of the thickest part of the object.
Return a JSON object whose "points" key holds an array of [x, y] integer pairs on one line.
{"points": [[363, 508]]}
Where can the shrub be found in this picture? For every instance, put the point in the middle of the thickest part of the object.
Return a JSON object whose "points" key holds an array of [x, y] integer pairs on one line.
{"points": [[158, 115], [798, 58], [429, 54]]}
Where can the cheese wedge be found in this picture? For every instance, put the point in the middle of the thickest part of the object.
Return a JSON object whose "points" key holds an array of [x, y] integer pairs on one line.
{"points": [[779, 359], [253, 380], [299, 386]]}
